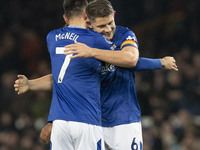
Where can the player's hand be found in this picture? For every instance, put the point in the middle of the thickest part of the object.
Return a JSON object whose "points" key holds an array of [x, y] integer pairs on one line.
{"points": [[80, 49], [21, 84], [46, 133], [169, 63]]}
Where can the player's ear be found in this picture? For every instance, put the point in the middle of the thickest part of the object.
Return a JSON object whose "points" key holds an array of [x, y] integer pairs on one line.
{"points": [[65, 18], [88, 22]]}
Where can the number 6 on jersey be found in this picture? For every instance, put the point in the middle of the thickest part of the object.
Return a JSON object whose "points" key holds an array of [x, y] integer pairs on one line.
{"points": [[60, 50]]}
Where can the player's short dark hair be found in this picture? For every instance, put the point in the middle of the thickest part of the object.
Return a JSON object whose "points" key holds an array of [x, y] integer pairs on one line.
{"points": [[74, 7], [99, 8]]}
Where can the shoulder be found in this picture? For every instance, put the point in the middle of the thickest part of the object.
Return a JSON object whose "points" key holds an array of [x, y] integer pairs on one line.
{"points": [[94, 33], [52, 33], [124, 31], [49, 36], [55, 31], [123, 34], [127, 34], [96, 36]]}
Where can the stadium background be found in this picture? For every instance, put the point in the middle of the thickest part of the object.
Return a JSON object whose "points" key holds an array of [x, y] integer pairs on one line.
{"points": [[170, 101]]}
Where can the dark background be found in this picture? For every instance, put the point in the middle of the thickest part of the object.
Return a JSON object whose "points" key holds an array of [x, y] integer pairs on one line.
{"points": [[170, 101]]}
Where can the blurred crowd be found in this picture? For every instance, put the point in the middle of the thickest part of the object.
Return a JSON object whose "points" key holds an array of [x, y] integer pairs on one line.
{"points": [[169, 100]]}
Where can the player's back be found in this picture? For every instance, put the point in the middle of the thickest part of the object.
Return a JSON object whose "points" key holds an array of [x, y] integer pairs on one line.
{"points": [[76, 82]]}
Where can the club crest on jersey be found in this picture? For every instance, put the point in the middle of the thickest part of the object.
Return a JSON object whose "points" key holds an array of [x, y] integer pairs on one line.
{"points": [[107, 67], [113, 47], [131, 38]]}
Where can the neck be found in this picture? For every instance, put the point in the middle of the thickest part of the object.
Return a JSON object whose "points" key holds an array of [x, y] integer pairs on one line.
{"points": [[78, 21]]}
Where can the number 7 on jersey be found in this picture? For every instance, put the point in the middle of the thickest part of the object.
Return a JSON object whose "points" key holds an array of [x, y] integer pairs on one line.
{"points": [[60, 50]]}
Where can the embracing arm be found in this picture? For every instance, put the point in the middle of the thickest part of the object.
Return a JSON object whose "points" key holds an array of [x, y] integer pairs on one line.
{"points": [[151, 64], [46, 133], [126, 57], [22, 84]]}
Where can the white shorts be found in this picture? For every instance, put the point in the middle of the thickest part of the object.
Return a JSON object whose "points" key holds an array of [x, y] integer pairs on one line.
{"points": [[69, 135], [123, 137]]}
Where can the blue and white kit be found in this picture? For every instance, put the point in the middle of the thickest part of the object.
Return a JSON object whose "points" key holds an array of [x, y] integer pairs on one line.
{"points": [[75, 108], [118, 93], [121, 115]]}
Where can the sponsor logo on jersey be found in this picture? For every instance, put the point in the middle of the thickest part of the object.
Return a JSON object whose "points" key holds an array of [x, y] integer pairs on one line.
{"points": [[107, 68], [113, 47]]}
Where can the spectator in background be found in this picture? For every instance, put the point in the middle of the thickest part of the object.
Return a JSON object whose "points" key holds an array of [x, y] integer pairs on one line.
{"points": [[178, 37]]}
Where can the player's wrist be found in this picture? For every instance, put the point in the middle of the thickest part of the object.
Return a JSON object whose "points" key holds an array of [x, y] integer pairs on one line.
{"points": [[162, 62], [30, 85]]}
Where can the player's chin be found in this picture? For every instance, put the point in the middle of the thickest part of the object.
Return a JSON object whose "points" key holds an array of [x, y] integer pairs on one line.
{"points": [[109, 36]]}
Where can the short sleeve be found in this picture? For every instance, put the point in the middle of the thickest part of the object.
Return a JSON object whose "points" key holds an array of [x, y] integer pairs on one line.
{"points": [[128, 39]]}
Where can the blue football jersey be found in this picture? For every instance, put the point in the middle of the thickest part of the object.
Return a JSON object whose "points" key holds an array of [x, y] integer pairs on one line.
{"points": [[76, 82], [118, 93]]}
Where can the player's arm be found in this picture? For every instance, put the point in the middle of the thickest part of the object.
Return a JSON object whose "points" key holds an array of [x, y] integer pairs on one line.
{"points": [[22, 84], [126, 57], [46, 133], [151, 64]]}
